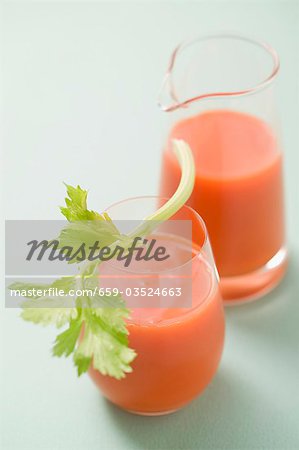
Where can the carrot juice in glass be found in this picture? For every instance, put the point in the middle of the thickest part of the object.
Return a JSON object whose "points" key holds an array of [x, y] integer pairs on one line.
{"points": [[218, 93], [176, 325]]}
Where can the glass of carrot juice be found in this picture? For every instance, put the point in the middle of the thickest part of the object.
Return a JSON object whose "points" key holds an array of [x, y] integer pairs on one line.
{"points": [[176, 324], [218, 93]]}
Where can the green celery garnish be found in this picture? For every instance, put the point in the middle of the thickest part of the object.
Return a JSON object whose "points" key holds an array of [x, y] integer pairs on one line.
{"points": [[101, 320]]}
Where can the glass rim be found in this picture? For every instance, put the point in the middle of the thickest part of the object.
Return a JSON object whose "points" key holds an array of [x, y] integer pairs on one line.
{"points": [[197, 250], [207, 37]]}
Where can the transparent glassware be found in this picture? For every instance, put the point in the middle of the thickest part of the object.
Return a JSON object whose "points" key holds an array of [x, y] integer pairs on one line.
{"points": [[178, 339], [218, 94]]}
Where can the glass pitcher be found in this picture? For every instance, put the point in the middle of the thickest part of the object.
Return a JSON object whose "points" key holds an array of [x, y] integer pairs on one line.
{"points": [[218, 93]]}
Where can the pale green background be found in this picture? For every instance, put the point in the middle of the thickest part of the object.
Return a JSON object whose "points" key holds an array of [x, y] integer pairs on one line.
{"points": [[73, 75]]}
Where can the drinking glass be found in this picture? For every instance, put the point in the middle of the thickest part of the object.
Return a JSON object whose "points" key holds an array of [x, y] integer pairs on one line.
{"points": [[178, 338], [218, 94]]}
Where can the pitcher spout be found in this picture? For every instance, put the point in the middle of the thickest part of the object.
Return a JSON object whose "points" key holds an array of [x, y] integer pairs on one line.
{"points": [[201, 69]]}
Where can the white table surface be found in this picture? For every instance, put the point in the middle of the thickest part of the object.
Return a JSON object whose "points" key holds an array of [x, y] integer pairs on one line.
{"points": [[74, 73]]}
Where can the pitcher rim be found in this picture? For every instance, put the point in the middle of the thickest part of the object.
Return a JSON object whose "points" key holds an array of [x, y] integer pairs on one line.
{"points": [[223, 35]]}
